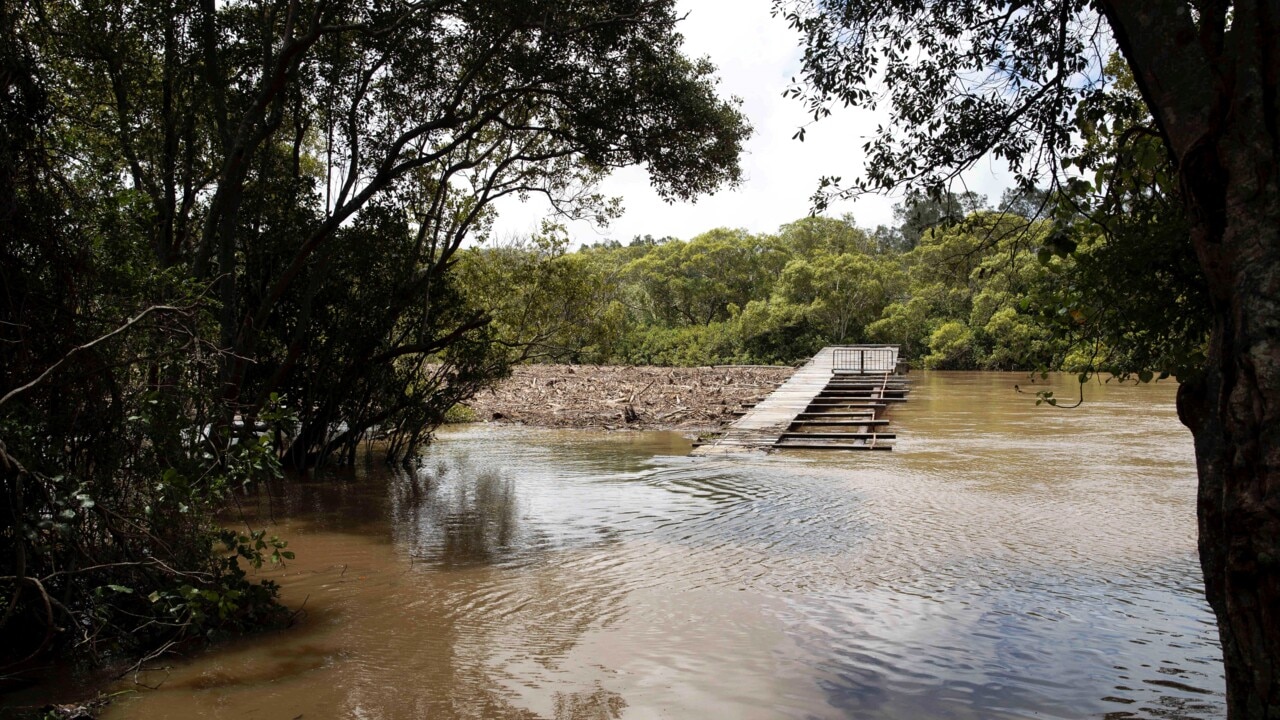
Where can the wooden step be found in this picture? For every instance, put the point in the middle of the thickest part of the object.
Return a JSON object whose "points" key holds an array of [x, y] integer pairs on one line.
{"points": [[857, 396], [809, 415], [855, 374], [839, 436], [854, 423], [858, 402], [866, 388], [877, 383], [877, 399], [828, 446], [811, 410]]}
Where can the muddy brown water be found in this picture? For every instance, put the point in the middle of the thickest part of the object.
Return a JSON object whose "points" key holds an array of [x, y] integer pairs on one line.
{"points": [[1005, 561]]}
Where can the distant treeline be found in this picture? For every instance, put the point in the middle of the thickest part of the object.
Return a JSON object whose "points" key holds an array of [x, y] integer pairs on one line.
{"points": [[959, 285]]}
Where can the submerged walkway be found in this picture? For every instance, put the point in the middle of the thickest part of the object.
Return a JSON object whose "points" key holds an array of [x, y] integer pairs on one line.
{"points": [[834, 402]]}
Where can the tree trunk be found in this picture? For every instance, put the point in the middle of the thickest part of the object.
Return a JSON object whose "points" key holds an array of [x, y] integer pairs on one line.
{"points": [[1209, 77], [1233, 410]]}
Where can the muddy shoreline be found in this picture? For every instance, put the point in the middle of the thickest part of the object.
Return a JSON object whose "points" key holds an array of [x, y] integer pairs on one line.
{"points": [[612, 397]]}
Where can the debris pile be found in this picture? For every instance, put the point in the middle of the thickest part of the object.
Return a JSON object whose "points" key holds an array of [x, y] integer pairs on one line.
{"points": [[615, 397]]}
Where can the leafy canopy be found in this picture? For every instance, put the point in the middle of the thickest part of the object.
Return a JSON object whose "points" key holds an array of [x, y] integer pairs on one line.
{"points": [[959, 79]]}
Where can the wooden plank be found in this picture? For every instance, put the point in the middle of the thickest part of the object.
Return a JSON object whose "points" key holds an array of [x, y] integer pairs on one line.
{"points": [[858, 396], [839, 400], [839, 436], [844, 404], [872, 396], [839, 418], [830, 411], [867, 380], [864, 388], [856, 423], [829, 390], [828, 446], [855, 373]]}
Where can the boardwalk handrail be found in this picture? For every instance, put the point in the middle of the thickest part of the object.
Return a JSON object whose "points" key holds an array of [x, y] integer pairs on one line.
{"points": [[865, 359], [829, 403]]}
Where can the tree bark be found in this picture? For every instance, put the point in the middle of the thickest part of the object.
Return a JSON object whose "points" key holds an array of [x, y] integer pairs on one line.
{"points": [[1211, 84], [1232, 412], [1231, 181]]}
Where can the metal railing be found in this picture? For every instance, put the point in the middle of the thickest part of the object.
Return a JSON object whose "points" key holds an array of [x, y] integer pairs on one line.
{"points": [[865, 359]]}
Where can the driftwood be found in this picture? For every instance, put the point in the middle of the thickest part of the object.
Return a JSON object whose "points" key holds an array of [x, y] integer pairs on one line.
{"points": [[612, 397]]}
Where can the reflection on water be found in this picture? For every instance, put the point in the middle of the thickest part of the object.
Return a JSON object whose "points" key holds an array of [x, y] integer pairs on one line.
{"points": [[1005, 561], [454, 517]]}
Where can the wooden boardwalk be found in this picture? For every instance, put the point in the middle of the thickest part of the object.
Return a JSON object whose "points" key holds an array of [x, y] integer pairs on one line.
{"points": [[834, 402]]}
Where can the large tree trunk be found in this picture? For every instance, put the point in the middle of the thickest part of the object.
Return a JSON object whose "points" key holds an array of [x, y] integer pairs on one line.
{"points": [[1209, 77], [1233, 410], [1238, 536]]}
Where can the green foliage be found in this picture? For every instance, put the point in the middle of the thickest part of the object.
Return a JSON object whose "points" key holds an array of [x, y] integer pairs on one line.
{"points": [[697, 282], [1120, 289], [545, 304], [1035, 285], [841, 294], [460, 414], [957, 300], [965, 308], [921, 212], [1133, 300], [317, 171], [689, 345], [958, 81], [816, 233], [950, 347], [776, 332], [233, 604], [905, 324], [231, 239]]}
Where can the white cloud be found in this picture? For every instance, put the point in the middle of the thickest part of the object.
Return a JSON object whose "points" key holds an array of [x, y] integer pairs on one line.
{"points": [[757, 55]]}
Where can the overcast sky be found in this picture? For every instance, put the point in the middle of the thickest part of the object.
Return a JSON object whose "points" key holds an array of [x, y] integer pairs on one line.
{"points": [[757, 55]]}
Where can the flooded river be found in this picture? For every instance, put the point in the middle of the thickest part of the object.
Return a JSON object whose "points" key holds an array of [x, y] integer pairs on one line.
{"points": [[1006, 560]]}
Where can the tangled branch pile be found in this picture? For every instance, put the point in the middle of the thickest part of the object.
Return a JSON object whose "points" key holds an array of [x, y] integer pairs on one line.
{"points": [[613, 396]]}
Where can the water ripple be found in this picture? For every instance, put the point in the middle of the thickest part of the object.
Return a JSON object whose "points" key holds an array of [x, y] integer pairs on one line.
{"points": [[1003, 562]]}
